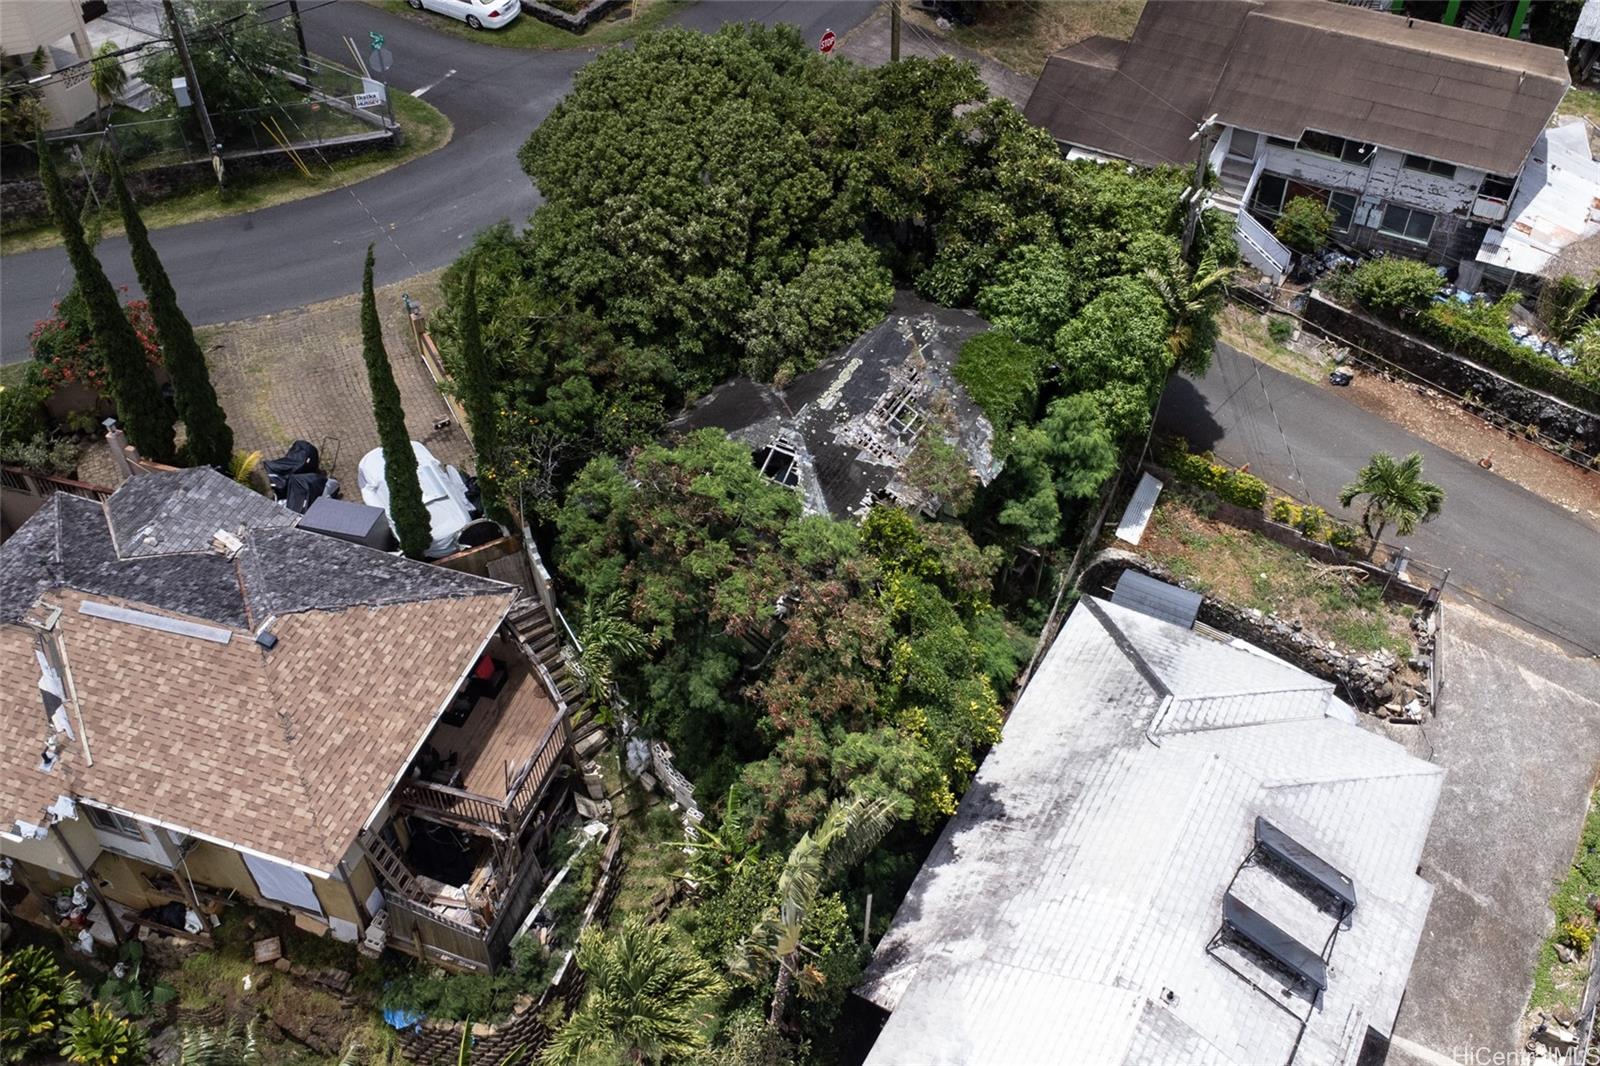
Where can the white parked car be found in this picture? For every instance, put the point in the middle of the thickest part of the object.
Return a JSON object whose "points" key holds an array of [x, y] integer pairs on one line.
{"points": [[479, 14], [444, 493]]}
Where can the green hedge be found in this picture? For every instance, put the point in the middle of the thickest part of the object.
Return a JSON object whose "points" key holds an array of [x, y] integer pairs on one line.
{"points": [[1392, 288]]}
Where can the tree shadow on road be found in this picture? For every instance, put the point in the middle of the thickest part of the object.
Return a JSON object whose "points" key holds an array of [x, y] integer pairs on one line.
{"points": [[1185, 411]]}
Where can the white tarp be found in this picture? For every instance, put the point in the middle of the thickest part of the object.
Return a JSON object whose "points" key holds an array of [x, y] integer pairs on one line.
{"points": [[283, 883]]}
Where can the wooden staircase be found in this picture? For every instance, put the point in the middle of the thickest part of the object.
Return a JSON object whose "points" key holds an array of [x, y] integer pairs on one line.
{"points": [[540, 634]]}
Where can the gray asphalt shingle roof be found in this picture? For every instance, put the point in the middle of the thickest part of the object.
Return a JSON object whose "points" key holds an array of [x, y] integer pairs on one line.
{"points": [[1069, 910], [1282, 67]]}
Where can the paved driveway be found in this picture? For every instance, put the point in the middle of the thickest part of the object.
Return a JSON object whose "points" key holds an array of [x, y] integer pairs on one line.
{"points": [[1519, 736], [1506, 546], [421, 215]]}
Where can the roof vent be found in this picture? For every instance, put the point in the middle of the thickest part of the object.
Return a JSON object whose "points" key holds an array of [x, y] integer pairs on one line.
{"points": [[266, 640], [158, 622]]}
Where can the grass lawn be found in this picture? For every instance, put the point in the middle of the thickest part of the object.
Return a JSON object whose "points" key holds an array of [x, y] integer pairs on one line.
{"points": [[1250, 332], [1023, 35], [424, 129], [1247, 569], [1584, 102], [529, 32], [1557, 983]]}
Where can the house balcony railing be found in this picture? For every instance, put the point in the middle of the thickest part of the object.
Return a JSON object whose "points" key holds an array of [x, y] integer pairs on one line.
{"points": [[505, 816]]}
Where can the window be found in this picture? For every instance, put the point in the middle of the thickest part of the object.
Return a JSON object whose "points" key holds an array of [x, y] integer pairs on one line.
{"points": [[1281, 142], [1407, 222], [1270, 189], [1343, 206], [1497, 188], [112, 822], [1430, 166], [1338, 147]]}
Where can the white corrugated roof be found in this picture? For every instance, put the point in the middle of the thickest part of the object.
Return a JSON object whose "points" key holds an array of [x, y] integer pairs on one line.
{"points": [[1588, 27], [1066, 911], [1557, 203]]}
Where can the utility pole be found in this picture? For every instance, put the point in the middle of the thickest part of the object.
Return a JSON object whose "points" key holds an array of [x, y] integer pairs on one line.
{"points": [[214, 145], [894, 31], [300, 35], [1195, 195]]}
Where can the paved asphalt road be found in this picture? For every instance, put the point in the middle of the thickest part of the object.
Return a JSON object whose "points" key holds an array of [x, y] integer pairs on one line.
{"points": [[1513, 549], [421, 215]]}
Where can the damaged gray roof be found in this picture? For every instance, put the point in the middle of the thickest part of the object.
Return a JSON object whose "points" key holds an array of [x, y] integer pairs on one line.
{"points": [[1069, 911], [151, 543], [851, 423]]}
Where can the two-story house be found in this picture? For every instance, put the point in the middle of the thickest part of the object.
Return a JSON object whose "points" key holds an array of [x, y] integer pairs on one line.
{"points": [[1415, 135], [201, 702]]}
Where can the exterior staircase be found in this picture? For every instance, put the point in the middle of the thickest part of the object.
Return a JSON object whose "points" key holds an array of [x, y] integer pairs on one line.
{"points": [[542, 636], [1235, 178]]}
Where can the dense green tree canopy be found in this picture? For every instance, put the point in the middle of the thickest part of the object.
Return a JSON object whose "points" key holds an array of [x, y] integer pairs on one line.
{"points": [[802, 654]]}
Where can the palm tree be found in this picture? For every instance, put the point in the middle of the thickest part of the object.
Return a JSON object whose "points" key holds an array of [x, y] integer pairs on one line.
{"points": [[643, 995], [719, 855], [850, 829], [1188, 294], [606, 638], [1395, 493], [107, 76]]}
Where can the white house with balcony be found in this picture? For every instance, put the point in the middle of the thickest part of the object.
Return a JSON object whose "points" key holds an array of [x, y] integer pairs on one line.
{"points": [[53, 30], [1415, 135]]}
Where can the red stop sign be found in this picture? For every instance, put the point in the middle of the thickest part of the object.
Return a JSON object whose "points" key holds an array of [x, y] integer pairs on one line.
{"points": [[828, 40]]}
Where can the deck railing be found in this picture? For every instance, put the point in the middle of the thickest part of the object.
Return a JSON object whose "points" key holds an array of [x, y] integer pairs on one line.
{"points": [[453, 804], [46, 485], [528, 786]]}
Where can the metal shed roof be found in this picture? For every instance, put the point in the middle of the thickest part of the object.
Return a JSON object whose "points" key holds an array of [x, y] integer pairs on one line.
{"points": [[1147, 595]]}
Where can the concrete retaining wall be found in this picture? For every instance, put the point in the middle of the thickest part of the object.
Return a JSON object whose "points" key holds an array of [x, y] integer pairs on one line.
{"points": [[578, 22]]}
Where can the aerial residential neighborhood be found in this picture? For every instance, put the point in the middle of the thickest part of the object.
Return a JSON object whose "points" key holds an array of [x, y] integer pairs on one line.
{"points": [[802, 533]]}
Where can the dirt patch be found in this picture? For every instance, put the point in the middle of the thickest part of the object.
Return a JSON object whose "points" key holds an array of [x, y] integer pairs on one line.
{"points": [[1022, 35], [299, 375], [1249, 570], [1440, 420]]}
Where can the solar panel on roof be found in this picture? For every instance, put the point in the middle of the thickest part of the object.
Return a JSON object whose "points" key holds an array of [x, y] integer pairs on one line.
{"points": [[1288, 952], [1143, 593], [1289, 851]]}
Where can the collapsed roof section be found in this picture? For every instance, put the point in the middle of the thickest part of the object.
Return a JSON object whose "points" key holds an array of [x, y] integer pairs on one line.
{"points": [[843, 434]]}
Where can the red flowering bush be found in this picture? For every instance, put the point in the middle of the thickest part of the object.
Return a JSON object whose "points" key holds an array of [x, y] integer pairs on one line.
{"points": [[64, 349]]}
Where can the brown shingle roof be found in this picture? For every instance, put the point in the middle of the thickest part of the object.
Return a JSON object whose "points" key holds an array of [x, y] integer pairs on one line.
{"points": [[1284, 66], [286, 752]]}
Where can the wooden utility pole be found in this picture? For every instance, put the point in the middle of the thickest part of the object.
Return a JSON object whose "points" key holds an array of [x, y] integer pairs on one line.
{"points": [[1196, 193], [894, 31], [300, 35], [213, 145]]}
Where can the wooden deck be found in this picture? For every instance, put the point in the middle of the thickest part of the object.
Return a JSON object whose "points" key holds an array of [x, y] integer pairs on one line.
{"points": [[500, 735]]}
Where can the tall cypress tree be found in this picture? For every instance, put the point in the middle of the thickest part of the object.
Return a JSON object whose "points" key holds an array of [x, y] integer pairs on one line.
{"points": [[209, 441], [146, 416], [477, 395], [406, 509]]}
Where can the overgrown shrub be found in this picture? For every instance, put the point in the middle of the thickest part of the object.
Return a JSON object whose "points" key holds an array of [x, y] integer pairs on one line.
{"points": [[1389, 285], [1562, 303], [1001, 374], [1304, 225], [1234, 486], [1280, 329], [33, 995], [1310, 521], [1285, 510], [64, 349], [1343, 537], [22, 409], [1242, 490], [42, 454]]}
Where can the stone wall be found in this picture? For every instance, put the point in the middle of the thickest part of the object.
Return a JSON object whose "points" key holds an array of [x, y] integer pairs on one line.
{"points": [[23, 198], [1521, 405], [1368, 681]]}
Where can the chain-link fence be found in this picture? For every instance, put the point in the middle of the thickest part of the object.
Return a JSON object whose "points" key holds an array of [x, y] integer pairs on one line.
{"points": [[329, 111]]}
